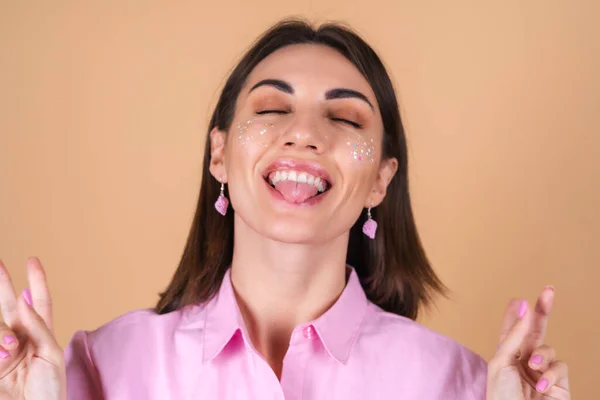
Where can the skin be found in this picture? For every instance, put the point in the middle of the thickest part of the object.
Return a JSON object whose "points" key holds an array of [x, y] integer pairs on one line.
{"points": [[35, 366], [298, 252], [289, 261], [523, 362]]}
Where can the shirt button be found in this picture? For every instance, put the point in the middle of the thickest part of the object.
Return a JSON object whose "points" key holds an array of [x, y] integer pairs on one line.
{"points": [[309, 332]]}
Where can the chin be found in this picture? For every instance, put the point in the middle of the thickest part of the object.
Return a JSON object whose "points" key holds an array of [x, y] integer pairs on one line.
{"points": [[293, 231]]}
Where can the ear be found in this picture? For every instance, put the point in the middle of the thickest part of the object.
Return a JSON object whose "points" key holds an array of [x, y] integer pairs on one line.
{"points": [[386, 172], [218, 140]]}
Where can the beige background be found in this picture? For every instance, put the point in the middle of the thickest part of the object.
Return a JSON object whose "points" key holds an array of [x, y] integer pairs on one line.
{"points": [[103, 109]]}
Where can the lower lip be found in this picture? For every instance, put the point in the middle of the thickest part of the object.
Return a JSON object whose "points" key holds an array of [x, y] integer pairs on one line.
{"points": [[310, 202]]}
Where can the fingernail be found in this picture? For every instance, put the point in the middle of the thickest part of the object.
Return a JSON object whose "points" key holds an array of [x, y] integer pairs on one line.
{"points": [[9, 339], [4, 354], [522, 308], [541, 385], [27, 297], [550, 287], [536, 359]]}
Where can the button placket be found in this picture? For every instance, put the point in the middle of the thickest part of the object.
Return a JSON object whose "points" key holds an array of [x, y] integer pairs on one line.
{"points": [[296, 361]]}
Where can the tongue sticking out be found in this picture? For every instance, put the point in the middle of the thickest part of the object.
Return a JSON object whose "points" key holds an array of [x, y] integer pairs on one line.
{"points": [[295, 192]]}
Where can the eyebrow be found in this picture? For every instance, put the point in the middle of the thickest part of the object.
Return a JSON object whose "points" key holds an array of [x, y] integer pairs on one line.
{"points": [[276, 83], [338, 93], [347, 94]]}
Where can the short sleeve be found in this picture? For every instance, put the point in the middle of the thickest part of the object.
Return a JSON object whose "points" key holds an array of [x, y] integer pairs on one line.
{"points": [[83, 381]]}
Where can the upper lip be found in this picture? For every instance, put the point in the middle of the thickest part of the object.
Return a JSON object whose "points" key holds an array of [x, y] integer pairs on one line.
{"points": [[310, 167]]}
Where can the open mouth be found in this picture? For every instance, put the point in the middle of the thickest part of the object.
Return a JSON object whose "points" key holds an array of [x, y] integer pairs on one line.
{"points": [[298, 183]]}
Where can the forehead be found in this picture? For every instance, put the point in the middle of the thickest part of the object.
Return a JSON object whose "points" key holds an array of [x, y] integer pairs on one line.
{"points": [[310, 68]]}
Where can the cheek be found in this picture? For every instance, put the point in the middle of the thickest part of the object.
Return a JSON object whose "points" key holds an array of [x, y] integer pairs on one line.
{"points": [[357, 157], [252, 135], [360, 150], [248, 142], [358, 162]]}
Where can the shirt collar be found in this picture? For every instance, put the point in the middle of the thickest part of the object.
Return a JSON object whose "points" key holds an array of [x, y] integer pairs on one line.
{"points": [[337, 328], [222, 320]]}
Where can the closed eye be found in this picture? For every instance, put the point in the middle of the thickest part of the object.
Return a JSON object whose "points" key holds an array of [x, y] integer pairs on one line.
{"points": [[282, 112], [347, 121], [262, 112]]}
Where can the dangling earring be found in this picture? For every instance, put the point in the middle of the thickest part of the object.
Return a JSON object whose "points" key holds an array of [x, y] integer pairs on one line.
{"points": [[222, 203], [370, 226]]}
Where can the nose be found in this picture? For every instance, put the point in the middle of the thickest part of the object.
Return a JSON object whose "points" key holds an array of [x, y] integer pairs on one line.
{"points": [[304, 135]]}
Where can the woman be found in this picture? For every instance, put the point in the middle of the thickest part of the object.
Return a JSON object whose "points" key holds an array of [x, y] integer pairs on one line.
{"points": [[306, 286]]}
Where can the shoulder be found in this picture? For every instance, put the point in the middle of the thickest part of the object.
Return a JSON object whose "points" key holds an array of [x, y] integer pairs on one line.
{"points": [[129, 350], [133, 323], [143, 327], [139, 333], [427, 352], [406, 330]]}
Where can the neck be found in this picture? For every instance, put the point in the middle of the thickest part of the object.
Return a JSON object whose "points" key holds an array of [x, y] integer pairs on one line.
{"points": [[279, 286]]}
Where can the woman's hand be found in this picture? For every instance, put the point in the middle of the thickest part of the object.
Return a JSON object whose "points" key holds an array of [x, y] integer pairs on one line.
{"points": [[32, 364], [524, 367]]}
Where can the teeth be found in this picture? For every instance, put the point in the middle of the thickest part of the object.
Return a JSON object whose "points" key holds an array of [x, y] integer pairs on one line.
{"points": [[319, 184], [276, 178], [300, 177]]}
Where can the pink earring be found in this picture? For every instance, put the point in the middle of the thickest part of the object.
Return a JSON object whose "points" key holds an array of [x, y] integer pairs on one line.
{"points": [[370, 226], [222, 203]]}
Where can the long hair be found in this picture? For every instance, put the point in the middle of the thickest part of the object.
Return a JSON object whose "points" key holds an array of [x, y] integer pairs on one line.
{"points": [[393, 268]]}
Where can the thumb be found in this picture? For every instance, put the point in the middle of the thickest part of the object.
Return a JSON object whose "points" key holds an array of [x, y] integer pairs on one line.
{"points": [[34, 327], [509, 348]]}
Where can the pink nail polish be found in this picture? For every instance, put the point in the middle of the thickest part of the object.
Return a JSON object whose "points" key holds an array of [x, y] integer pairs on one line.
{"points": [[4, 354], [522, 308], [536, 359], [9, 339], [542, 385], [27, 297]]}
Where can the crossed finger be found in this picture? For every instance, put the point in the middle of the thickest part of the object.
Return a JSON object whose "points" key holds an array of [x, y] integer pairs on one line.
{"points": [[539, 322], [42, 301]]}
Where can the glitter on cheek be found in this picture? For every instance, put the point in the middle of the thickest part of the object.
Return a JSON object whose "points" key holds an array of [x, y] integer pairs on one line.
{"points": [[362, 150], [252, 131], [242, 132]]}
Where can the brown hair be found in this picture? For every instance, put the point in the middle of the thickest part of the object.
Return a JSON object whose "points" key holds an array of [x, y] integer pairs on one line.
{"points": [[393, 268]]}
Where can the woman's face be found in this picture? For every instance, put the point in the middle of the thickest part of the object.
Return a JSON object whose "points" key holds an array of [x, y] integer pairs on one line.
{"points": [[303, 155]]}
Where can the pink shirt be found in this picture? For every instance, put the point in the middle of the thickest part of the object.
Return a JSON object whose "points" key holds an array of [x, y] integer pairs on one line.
{"points": [[355, 351]]}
